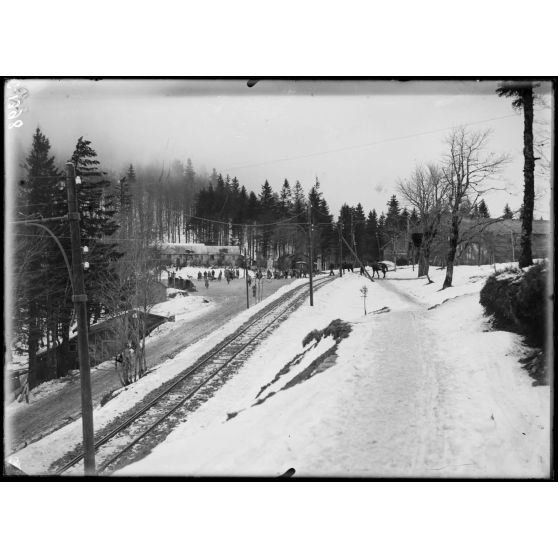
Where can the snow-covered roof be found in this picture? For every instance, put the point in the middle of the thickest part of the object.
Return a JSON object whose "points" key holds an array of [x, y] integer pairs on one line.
{"points": [[197, 249]]}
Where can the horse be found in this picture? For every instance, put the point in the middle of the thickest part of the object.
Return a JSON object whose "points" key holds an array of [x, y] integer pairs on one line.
{"points": [[377, 267]]}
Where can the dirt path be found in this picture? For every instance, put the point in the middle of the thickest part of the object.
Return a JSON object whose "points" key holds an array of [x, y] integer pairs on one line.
{"points": [[32, 422]]}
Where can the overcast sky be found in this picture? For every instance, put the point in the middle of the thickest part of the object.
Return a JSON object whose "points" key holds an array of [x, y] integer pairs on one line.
{"points": [[357, 137]]}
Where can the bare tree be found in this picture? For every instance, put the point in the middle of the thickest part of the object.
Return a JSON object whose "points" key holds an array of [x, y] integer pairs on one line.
{"points": [[465, 170], [426, 191]]}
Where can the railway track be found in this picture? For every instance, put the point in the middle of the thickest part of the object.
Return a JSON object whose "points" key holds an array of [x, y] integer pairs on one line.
{"points": [[135, 436]]}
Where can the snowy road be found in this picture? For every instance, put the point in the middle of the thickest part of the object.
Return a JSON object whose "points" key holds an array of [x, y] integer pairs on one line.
{"points": [[414, 393]]}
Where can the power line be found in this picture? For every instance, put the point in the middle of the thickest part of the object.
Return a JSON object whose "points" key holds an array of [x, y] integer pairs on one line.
{"points": [[360, 146]]}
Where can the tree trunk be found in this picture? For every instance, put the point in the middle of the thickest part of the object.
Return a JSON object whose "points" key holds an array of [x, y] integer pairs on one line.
{"points": [[424, 261], [454, 235], [526, 257]]}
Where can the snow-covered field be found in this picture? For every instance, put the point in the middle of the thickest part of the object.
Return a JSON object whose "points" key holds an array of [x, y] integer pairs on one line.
{"points": [[422, 387], [414, 392]]}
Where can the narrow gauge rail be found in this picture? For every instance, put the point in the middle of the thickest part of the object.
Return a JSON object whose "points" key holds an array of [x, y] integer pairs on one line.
{"points": [[159, 410]]}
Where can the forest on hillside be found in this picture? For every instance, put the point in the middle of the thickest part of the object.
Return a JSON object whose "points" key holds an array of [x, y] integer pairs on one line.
{"points": [[126, 216]]}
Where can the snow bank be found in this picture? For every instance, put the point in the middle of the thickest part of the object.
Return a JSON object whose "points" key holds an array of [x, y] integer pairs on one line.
{"points": [[467, 279]]}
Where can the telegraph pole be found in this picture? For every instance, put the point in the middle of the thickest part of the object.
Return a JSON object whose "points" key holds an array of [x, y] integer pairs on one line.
{"points": [[79, 299], [353, 235], [246, 276], [340, 249], [311, 254]]}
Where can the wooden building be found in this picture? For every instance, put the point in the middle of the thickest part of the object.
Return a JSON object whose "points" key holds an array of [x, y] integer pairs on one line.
{"points": [[179, 255]]}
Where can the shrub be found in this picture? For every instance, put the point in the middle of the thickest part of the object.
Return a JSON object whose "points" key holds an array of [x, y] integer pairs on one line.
{"points": [[338, 329], [314, 335], [517, 301], [529, 305]]}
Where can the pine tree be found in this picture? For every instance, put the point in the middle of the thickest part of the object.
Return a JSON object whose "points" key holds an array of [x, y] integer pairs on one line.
{"points": [[393, 224], [359, 227], [483, 210], [285, 198], [508, 213], [131, 174], [382, 235], [96, 206], [42, 278], [299, 199], [372, 252], [267, 214]]}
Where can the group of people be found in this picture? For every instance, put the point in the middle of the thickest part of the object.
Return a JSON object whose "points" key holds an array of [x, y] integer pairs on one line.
{"points": [[212, 275], [131, 363]]}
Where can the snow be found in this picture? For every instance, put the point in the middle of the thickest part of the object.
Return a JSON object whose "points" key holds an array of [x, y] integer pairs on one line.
{"points": [[37, 457], [407, 397], [422, 387], [41, 391], [181, 307], [46, 389]]}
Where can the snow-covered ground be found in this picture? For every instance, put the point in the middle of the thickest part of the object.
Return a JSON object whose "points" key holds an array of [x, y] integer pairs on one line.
{"points": [[183, 308], [414, 392], [422, 387], [37, 457], [49, 388]]}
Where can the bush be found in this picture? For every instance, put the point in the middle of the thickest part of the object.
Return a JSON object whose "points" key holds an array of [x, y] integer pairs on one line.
{"points": [[517, 301], [338, 329], [530, 304]]}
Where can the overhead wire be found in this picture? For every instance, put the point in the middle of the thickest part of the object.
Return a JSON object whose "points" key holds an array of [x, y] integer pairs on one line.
{"points": [[369, 144]]}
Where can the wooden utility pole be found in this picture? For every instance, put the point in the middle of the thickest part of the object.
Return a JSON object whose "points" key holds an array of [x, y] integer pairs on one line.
{"points": [[79, 299], [358, 260], [340, 250], [353, 242], [246, 271], [311, 266]]}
